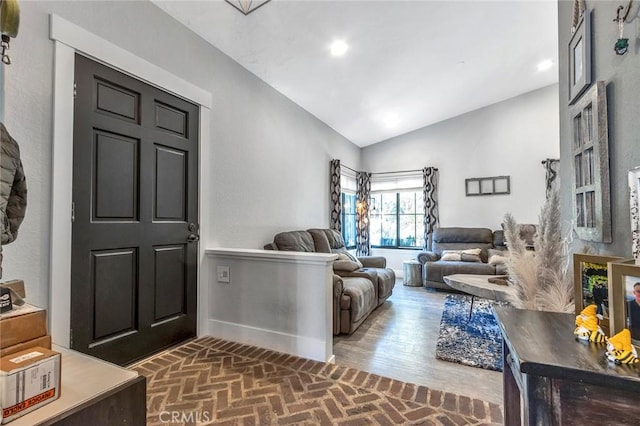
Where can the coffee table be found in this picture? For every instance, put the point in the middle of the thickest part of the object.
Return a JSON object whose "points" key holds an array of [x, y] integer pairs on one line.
{"points": [[478, 286]]}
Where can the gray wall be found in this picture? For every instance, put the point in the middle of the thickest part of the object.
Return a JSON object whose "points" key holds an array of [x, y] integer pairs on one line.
{"points": [[622, 75], [270, 158], [508, 138]]}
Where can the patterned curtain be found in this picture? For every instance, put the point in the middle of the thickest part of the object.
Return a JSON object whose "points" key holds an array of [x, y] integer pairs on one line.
{"points": [[336, 197], [430, 193], [551, 166], [363, 192]]}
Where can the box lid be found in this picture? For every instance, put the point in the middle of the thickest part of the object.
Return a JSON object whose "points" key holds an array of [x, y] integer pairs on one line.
{"points": [[24, 358]]}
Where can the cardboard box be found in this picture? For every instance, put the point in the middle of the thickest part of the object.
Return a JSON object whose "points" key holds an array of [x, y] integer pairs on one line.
{"points": [[29, 379], [23, 323], [44, 342]]}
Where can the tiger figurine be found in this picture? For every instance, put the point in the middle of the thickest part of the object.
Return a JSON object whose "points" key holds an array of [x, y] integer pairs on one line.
{"points": [[620, 350], [587, 327]]}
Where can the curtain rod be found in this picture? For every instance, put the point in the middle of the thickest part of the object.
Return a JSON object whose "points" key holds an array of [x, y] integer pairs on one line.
{"points": [[550, 160], [383, 173]]}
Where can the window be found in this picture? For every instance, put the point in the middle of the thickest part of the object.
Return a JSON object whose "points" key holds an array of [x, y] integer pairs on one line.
{"points": [[349, 220], [397, 221]]}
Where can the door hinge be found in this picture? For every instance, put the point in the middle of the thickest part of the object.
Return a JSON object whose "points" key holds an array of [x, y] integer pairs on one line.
{"points": [[75, 92], [73, 211], [71, 337]]}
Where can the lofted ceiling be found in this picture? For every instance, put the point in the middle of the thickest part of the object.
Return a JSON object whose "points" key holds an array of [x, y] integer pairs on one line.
{"points": [[414, 62]]}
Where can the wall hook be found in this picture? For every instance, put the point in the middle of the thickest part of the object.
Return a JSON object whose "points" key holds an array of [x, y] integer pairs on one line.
{"points": [[626, 14]]}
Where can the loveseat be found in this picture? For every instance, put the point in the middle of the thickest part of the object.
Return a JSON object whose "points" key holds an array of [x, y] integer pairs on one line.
{"points": [[471, 250], [359, 284]]}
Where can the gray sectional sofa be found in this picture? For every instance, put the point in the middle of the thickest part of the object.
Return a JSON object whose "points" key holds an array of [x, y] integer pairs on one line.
{"points": [[359, 285], [435, 268]]}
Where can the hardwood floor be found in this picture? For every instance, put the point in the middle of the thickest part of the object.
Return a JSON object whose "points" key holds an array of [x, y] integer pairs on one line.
{"points": [[398, 340]]}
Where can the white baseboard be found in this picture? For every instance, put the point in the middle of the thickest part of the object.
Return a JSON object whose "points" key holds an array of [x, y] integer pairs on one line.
{"points": [[301, 346]]}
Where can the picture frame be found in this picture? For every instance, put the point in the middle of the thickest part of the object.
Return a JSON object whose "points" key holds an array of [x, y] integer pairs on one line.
{"points": [[580, 58], [623, 276], [590, 150], [634, 211], [493, 185], [591, 272]]}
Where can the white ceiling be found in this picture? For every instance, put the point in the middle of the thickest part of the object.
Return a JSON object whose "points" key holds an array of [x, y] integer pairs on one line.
{"points": [[423, 60]]}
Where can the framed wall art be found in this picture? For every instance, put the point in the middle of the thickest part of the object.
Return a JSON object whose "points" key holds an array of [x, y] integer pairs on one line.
{"points": [[634, 209], [625, 299], [493, 185], [590, 149], [591, 284], [580, 58]]}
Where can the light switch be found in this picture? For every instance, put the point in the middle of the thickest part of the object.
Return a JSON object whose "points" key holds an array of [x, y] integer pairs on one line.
{"points": [[223, 274]]}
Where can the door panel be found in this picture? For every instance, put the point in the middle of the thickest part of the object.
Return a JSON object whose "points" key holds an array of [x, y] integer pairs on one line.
{"points": [[170, 282], [115, 194], [171, 177], [133, 283], [114, 293]]}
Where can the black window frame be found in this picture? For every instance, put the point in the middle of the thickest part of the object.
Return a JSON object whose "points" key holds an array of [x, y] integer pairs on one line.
{"points": [[398, 215]]}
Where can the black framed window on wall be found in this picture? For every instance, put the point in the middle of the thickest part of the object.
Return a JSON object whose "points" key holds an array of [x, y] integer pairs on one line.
{"points": [[349, 220], [396, 219]]}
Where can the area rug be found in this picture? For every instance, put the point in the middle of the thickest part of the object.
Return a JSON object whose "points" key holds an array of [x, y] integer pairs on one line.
{"points": [[475, 341], [213, 381]]}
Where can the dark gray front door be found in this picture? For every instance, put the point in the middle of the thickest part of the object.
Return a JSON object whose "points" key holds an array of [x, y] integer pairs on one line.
{"points": [[135, 178]]}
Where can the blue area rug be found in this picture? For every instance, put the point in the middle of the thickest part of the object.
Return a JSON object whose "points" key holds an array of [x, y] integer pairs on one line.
{"points": [[476, 342]]}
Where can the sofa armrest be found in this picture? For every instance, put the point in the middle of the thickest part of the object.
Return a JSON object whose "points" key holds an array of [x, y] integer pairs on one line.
{"points": [[373, 261], [367, 273], [427, 256], [338, 288]]}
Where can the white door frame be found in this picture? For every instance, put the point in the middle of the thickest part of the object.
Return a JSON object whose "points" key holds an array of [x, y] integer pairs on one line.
{"points": [[70, 39]]}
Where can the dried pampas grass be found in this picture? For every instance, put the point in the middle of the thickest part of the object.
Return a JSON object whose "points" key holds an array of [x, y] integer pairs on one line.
{"points": [[540, 279]]}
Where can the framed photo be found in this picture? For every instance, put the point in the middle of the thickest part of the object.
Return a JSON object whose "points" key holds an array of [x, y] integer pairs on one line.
{"points": [[634, 206], [591, 284], [625, 299], [580, 58]]}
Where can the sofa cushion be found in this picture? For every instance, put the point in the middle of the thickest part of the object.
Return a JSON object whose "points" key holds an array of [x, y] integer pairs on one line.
{"points": [[294, 241], [362, 297]]}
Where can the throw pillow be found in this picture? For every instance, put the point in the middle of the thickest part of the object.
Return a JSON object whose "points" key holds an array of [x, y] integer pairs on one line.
{"points": [[497, 259], [348, 256], [345, 265], [451, 256], [468, 255]]}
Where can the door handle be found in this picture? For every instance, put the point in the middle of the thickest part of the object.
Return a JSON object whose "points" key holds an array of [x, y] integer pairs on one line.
{"points": [[193, 238]]}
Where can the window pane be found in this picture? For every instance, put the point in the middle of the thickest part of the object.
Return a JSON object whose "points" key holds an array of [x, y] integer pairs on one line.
{"points": [[388, 204], [389, 230], [407, 202], [407, 230], [349, 219]]}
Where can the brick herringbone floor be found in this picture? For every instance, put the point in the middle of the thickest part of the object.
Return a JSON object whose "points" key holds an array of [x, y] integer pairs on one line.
{"points": [[213, 381]]}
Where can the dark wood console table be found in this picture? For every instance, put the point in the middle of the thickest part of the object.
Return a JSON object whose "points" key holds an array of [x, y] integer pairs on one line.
{"points": [[558, 379]]}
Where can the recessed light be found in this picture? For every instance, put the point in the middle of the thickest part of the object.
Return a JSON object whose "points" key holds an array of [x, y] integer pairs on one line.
{"points": [[339, 47], [545, 65], [391, 120]]}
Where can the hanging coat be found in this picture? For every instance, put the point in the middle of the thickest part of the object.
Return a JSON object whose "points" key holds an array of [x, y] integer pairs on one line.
{"points": [[13, 187]]}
